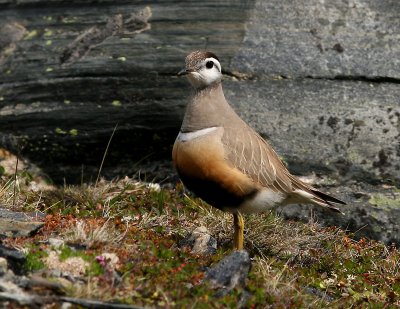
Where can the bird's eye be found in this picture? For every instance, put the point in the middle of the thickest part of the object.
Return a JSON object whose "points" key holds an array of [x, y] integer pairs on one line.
{"points": [[209, 64]]}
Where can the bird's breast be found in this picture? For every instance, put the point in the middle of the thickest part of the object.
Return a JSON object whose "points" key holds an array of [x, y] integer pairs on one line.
{"points": [[201, 164]]}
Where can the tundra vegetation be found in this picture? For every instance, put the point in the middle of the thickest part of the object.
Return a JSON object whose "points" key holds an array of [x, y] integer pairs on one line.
{"points": [[117, 241]]}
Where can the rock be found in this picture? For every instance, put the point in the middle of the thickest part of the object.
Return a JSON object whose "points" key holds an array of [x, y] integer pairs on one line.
{"points": [[374, 215], [230, 272], [200, 242], [55, 285], [3, 266], [19, 224], [89, 303], [21, 297], [315, 83], [313, 38], [11, 228], [21, 216], [72, 266], [15, 258], [122, 51], [56, 243], [311, 127]]}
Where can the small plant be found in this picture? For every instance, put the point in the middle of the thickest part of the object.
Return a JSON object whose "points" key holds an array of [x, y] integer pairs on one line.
{"points": [[34, 259]]}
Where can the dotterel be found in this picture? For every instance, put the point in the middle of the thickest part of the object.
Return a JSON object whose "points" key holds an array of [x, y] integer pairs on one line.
{"points": [[224, 161]]}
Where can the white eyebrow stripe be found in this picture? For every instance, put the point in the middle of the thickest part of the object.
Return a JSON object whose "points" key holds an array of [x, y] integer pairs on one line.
{"points": [[184, 137], [216, 62]]}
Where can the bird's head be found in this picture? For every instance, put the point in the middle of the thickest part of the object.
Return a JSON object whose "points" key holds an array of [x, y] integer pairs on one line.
{"points": [[202, 69]]}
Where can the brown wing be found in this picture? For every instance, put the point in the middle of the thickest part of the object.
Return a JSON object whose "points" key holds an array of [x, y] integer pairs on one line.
{"points": [[252, 155]]}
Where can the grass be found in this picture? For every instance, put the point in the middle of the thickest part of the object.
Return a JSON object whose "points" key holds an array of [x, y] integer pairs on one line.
{"points": [[294, 265]]}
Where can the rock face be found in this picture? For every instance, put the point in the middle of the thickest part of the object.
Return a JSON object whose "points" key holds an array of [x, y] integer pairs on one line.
{"points": [[72, 71], [320, 80], [299, 38], [323, 77]]}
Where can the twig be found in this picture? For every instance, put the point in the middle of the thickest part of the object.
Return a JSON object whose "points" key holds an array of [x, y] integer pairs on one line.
{"points": [[87, 303], [105, 154], [15, 181]]}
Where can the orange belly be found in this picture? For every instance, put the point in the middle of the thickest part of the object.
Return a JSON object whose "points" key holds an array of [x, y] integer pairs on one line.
{"points": [[203, 169]]}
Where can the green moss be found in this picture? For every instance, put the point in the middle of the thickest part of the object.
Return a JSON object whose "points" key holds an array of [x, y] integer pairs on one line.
{"points": [[353, 156], [383, 200], [94, 269], [73, 132], [116, 103], [31, 34], [48, 33], [60, 131], [34, 259]]}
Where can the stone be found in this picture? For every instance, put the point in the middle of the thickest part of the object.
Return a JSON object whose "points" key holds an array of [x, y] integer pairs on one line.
{"points": [[21, 216], [374, 216], [12, 228], [47, 80], [19, 224], [326, 127], [229, 273], [15, 258], [20, 296], [200, 241], [56, 243], [72, 266], [3, 266], [299, 38]]}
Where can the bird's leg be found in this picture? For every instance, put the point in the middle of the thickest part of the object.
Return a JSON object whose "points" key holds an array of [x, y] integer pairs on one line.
{"points": [[238, 223]]}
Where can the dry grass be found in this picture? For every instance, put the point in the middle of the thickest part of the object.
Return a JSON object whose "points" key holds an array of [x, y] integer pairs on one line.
{"points": [[294, 264], [90, 234]]}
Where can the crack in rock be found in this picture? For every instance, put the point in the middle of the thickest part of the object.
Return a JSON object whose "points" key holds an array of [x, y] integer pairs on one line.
{"points": [[137, 22]]}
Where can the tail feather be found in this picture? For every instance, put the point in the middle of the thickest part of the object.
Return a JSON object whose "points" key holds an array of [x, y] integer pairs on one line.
{"points": [[327, 198], [309, 194]]}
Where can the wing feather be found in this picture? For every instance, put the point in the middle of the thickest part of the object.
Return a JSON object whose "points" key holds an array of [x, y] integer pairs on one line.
{"points": [[261, 163], [257, 159]]}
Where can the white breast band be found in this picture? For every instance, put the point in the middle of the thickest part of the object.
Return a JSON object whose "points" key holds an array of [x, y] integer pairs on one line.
{"points": [[184, 137]]}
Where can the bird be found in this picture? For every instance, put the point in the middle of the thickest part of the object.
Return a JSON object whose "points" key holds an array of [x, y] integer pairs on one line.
{"points": [[225, 162]]}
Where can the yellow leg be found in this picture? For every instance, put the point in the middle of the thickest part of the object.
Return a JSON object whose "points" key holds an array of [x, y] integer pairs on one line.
{"points": [[238, 223]]}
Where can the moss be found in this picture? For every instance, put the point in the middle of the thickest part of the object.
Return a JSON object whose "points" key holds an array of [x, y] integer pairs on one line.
{"points": [[31, 34], [34, 259], [294, 265], [116, 103], [48, 33], [59, 131], [73, 132], [353, 156], [94, 269], [383, 200]]}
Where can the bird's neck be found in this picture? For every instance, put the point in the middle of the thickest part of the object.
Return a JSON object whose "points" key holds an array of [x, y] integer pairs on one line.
{"points": [[208, 108]]}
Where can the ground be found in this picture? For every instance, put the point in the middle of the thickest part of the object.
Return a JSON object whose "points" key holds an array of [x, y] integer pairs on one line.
{"points": [[117, 241]]}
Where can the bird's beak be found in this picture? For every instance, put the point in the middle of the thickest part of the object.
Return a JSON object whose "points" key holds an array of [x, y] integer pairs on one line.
{"points": [[185, 72]]}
